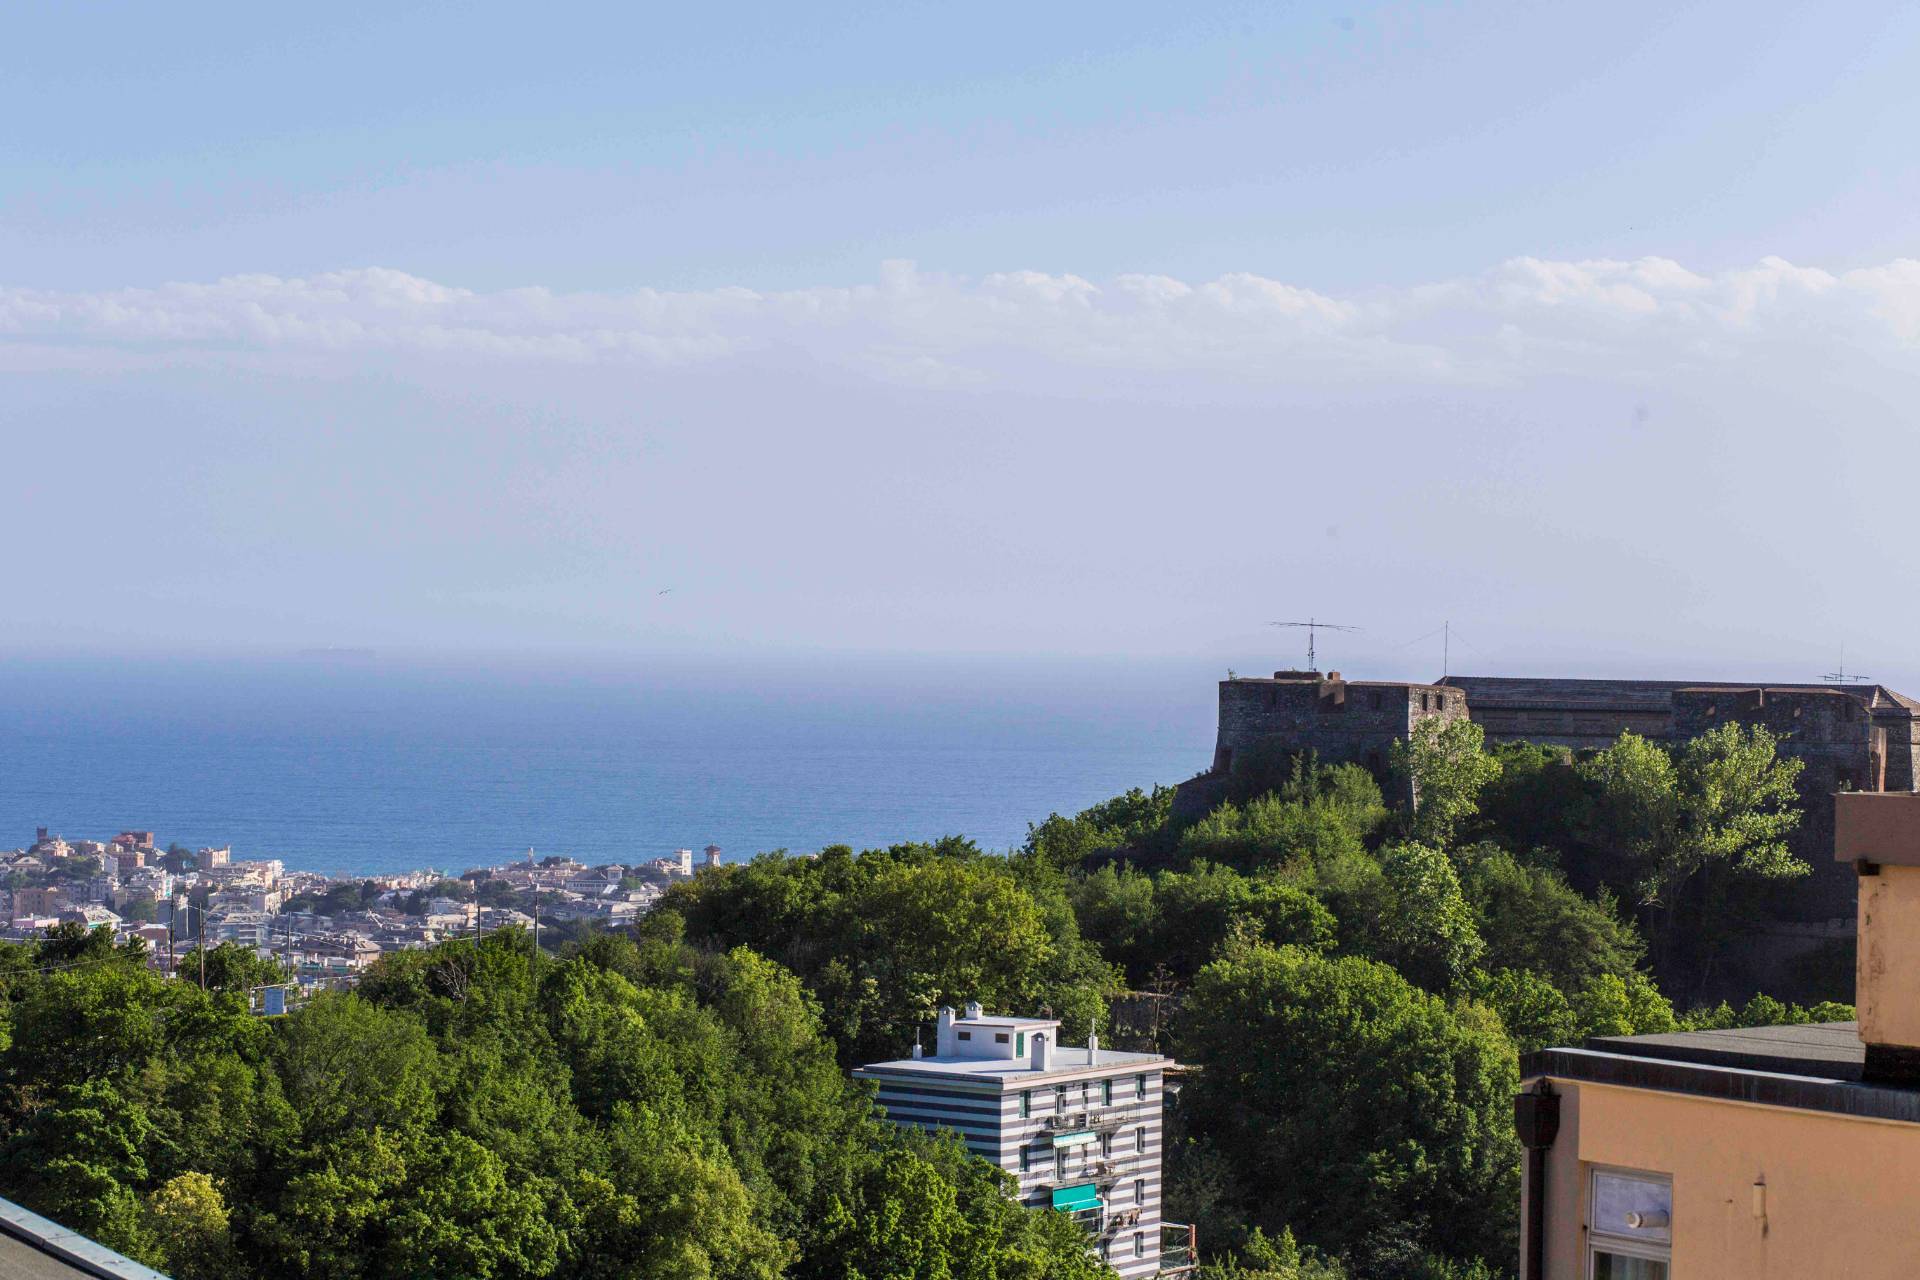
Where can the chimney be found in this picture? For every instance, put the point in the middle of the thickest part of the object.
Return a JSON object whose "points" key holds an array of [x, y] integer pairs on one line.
{"points": [[973, 1009], [1042, 1057], [1093, 1048], [1879, 833], [917, 1050], [945, 1044]]}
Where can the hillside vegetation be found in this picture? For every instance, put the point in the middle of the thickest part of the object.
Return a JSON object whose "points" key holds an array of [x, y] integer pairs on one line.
{"points": [[1352, 985]]}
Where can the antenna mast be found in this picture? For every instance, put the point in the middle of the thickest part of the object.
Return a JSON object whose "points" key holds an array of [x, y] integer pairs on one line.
{"points": [[1312, 625], [1840, 676]]}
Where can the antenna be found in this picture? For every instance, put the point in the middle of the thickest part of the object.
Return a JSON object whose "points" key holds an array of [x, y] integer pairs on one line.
{"points": [[1312, 626], [1840, 675]]}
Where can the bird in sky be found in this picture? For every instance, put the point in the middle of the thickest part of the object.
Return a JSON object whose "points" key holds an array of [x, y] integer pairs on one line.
{"points": [[667, 592]]}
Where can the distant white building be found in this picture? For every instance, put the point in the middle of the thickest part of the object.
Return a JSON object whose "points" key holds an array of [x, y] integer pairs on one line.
{"points": [[1079, 1127]]}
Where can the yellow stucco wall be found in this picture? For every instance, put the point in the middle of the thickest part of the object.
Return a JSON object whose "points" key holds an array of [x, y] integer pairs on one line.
{"points": [[1888, 981], [1843, 1195]]}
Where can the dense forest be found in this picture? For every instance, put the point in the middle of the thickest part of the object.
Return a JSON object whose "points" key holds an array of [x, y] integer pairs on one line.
{"points": [[1349, 983]]}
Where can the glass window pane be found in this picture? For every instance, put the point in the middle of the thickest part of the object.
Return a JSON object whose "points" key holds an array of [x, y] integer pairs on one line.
{"points": [[1638, 1208], [1617, 1266]]}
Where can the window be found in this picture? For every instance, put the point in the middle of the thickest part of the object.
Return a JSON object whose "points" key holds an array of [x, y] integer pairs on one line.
{"points": [[966, 1035], [1060, 1097], [1106, 1093], [1140, 1140], [999, 1037], [1140, 1086], [1139, 1244], [1059, 1164], [1630, 1225], [1026, 1159], [1106, 1145], [1139, 1190], [1026, 1103]]}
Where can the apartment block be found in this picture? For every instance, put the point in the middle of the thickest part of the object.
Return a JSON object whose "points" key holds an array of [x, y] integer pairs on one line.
{"points": [[1079, 1127]]}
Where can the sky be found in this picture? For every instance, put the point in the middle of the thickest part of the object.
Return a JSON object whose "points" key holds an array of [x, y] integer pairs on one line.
{"points": [[1072, 331]]}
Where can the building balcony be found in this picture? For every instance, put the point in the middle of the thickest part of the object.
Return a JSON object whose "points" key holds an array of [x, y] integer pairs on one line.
{"points": [[1179, 1250], [1098, 1119]]}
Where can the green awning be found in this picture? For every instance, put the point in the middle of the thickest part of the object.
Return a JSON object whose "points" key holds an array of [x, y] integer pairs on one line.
{"points": [[1077, 1139], [1073, 1199]]}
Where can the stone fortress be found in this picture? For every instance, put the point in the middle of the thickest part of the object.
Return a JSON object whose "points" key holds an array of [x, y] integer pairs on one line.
{"points": [[1852, 737]]}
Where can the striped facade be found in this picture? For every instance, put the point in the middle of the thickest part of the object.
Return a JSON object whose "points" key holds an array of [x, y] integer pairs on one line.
{"points": [[1056, 1129]]}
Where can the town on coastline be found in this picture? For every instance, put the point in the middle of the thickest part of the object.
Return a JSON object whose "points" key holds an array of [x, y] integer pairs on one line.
{"points": [[322, 929]]}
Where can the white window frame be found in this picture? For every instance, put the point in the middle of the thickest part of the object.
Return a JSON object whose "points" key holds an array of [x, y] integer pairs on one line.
{"points": [[1600, 1240]]}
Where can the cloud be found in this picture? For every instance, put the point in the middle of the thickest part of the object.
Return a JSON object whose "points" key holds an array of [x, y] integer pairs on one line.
{"points": [[1523, 318]]}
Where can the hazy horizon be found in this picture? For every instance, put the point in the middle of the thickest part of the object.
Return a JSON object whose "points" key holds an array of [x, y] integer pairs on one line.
{"points": [[851, 335]]}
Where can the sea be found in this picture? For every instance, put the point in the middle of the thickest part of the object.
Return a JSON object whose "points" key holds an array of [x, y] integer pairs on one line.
{"points": [[357, 763]]}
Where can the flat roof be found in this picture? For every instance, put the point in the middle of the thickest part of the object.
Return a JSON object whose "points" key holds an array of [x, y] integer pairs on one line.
{"points": [[1826, 1050], [1814, 1067], [1067, 1061], [37, 1248]]}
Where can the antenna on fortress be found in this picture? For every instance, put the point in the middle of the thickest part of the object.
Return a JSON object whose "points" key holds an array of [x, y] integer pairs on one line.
{"points": [[1840, 676], [1312, 626]]}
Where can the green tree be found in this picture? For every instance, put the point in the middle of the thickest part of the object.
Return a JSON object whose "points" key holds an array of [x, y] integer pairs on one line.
{"points": [[1534, 1011], [1693, 826], [1531, 918], [1428, 932], [1272, 830], [1443, 767], [189, 1225], [885, 938], [231, 967], [347, 1064], [1351, 1106]]}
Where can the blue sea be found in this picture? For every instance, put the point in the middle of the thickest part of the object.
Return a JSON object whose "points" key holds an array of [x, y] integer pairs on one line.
{"points": [[361, 763]]}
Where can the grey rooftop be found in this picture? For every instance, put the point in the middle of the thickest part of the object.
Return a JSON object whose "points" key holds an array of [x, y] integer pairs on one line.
{"points": [[1068, 1060], [1825, 1050], [37, 1248]]}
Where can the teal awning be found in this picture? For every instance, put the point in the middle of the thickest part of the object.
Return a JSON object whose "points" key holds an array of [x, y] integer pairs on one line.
{"points": [[1078, 1139], [1073, 1199]]}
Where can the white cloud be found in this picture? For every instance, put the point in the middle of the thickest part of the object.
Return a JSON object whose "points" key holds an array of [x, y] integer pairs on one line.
{"points": [[1522, 318]]}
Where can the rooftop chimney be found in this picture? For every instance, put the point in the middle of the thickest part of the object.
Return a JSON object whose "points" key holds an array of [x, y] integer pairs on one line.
{"points": [[945, 1045], [1042, 1057], [1879, 833], [973, 1008], [1093, 1048]]}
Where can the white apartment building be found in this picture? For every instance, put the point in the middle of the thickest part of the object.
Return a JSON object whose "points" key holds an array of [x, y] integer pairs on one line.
{"points": [[1078, 1126]]}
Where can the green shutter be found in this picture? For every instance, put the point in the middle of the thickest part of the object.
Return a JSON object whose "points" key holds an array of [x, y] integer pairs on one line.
{"points": [[1019, 1044]]}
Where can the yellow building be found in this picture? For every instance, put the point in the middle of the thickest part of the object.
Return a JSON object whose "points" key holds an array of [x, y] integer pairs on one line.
{"points": [[1784, 1152]]}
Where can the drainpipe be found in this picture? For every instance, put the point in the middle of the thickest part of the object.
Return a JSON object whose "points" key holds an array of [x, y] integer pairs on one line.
{"points": [[1536, 1117]]}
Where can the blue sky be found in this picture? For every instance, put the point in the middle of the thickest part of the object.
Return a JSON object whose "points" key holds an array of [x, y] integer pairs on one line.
{"points": [[1062, 329], [607, 146]]}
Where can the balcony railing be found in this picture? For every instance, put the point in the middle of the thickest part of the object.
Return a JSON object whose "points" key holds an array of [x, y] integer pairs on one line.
{"points": [[1099, 1119], [1179, 1249]]}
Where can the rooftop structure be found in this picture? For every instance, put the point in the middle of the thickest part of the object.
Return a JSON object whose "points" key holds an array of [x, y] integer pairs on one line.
{"points": [[37, 1248], [1751, 1152], [1079, 1127]]}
